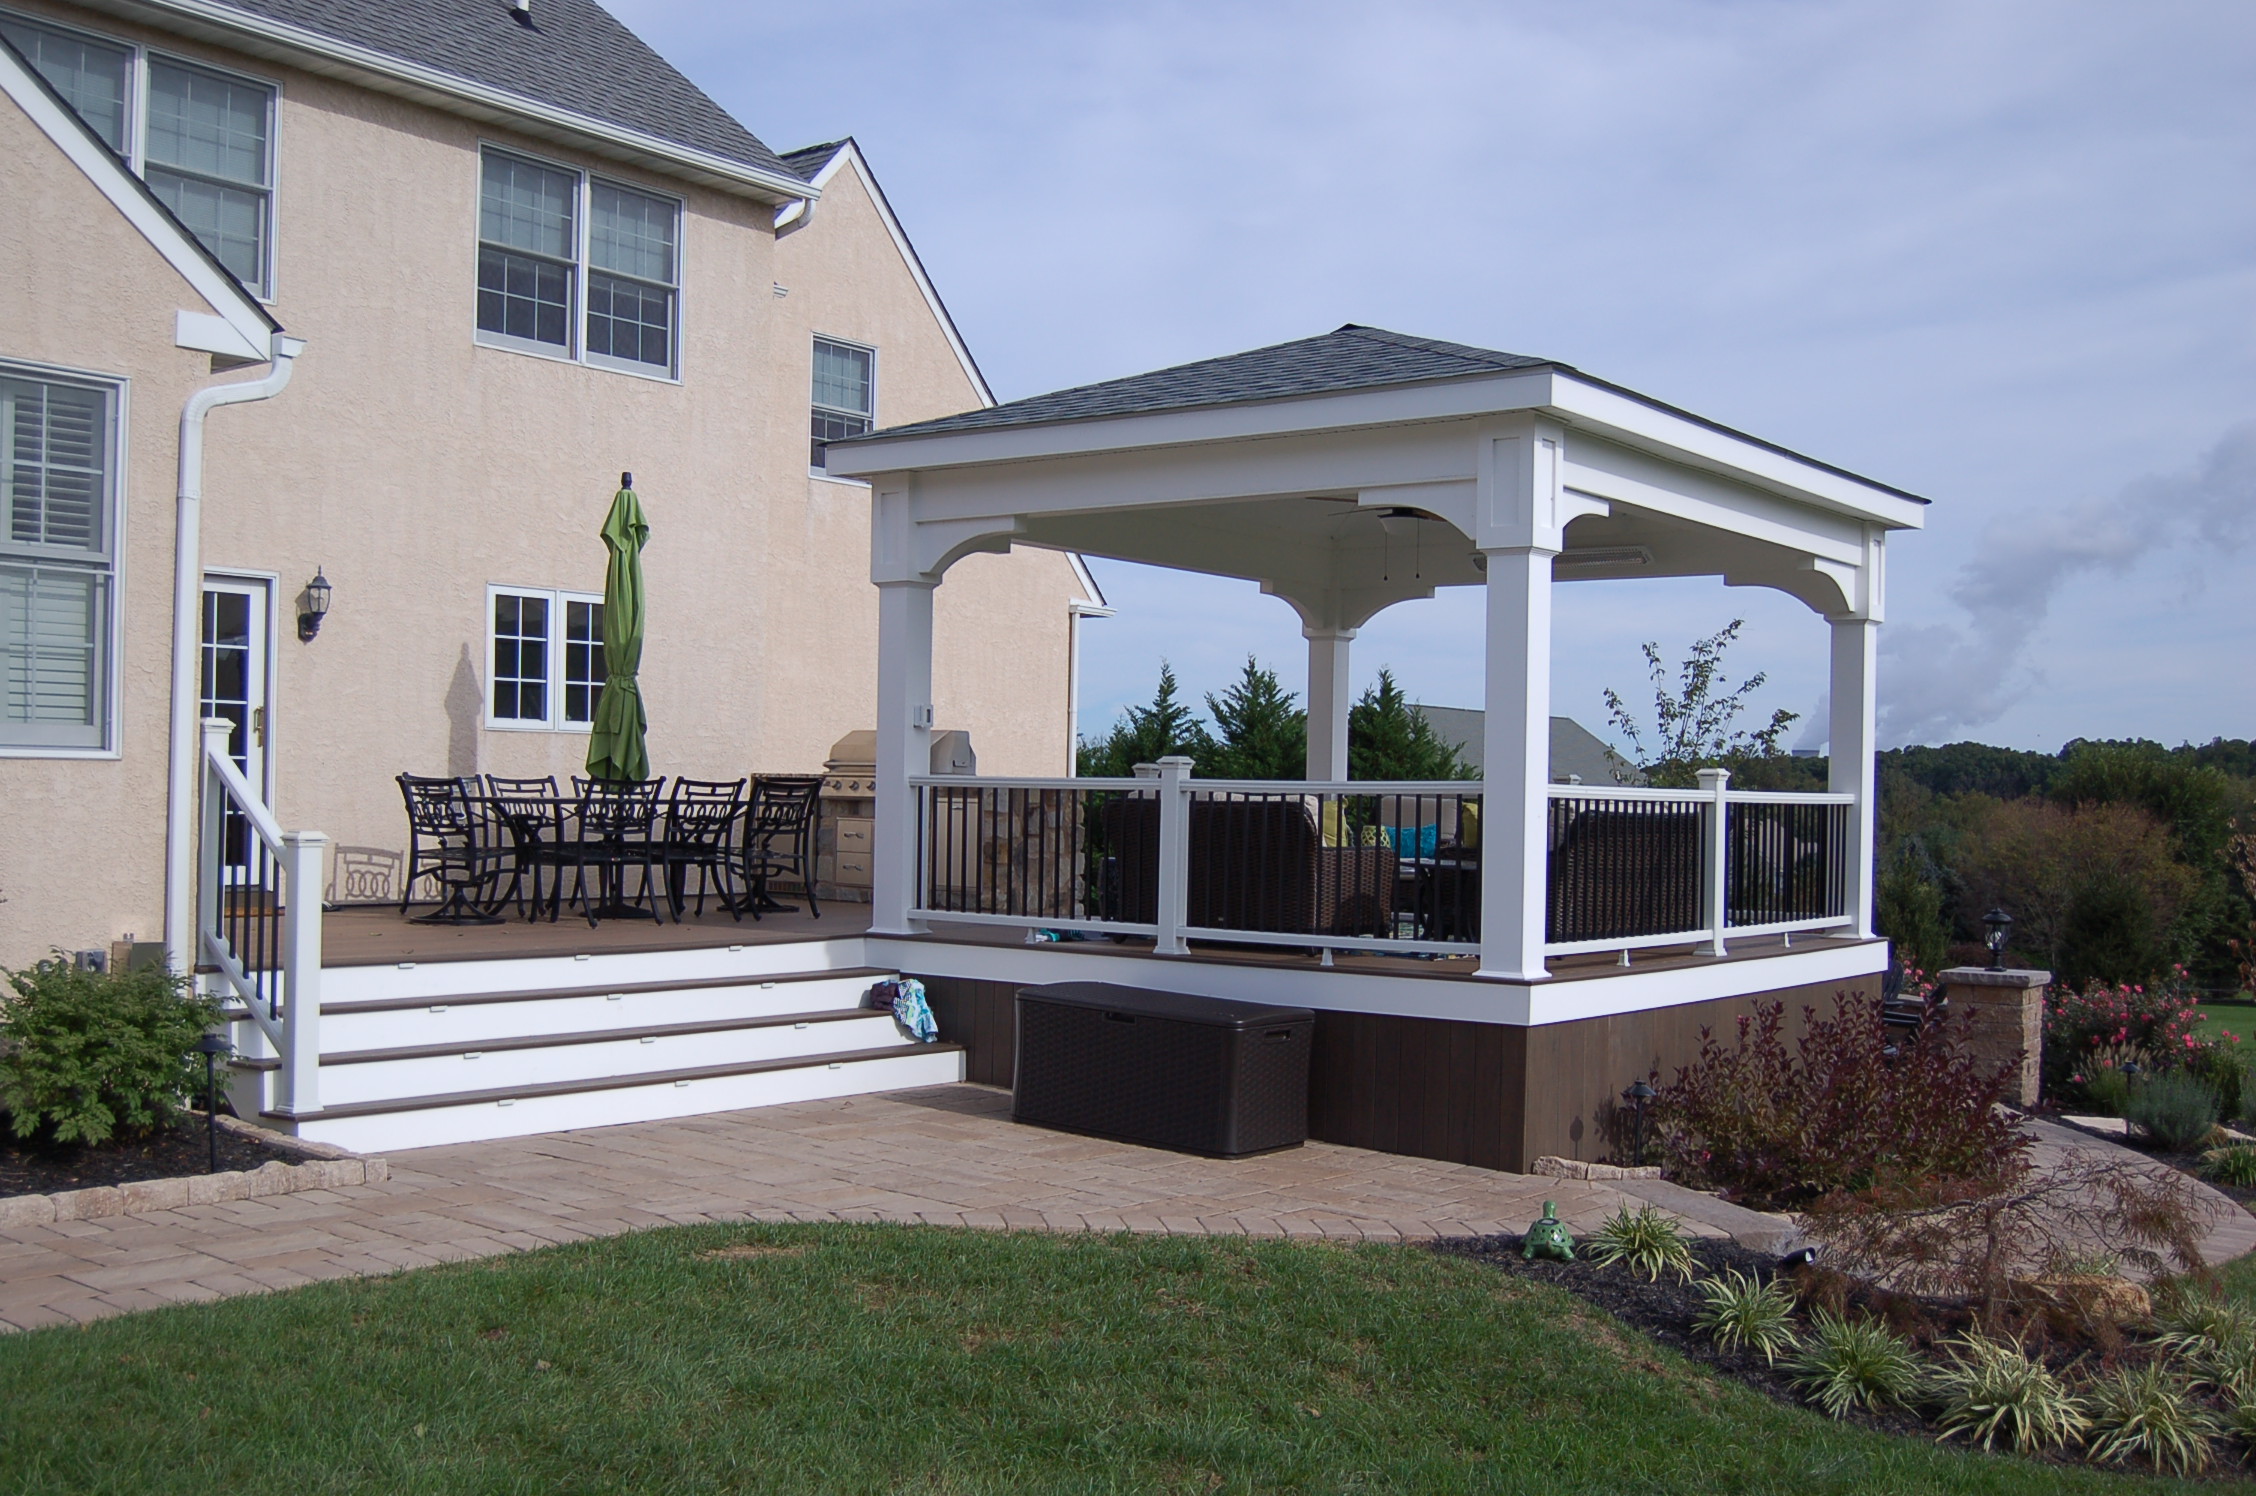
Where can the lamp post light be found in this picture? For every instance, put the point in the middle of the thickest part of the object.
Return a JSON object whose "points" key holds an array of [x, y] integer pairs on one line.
{"points": [[1996, 926], [313, 606], [211, 1046], [1637, 1095]]}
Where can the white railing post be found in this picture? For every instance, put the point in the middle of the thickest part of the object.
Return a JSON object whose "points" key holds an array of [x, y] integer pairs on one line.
{"points": [[211, 843], [1717, 783], [302, 858], [1174, 855]]}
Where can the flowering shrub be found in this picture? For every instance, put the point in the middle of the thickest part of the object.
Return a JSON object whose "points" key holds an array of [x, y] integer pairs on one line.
{"points": [[2103, 1028], [1847, 1108]]}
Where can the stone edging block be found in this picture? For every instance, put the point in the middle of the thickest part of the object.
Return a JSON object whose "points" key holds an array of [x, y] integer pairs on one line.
{"points": [[326, 1167], [1550, 1166]]}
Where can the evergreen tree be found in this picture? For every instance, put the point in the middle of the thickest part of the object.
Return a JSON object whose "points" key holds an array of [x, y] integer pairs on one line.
{"points": [[1146, 734], [1263, 733], [1388, 738]]}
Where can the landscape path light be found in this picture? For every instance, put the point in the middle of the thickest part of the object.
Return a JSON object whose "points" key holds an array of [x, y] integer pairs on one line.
{"points": [[1637, 1095], [211, 1046]]}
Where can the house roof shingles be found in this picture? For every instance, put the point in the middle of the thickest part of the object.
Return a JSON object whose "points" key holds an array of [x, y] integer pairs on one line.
{"points": [[573, 54], [810, 159], [1350, 358]]}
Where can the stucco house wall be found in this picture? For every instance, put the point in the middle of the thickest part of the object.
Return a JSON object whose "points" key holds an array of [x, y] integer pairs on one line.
{"points": [[417, 467]]}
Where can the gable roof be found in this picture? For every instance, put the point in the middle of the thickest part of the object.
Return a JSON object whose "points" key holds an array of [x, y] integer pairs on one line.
{"points": [[809, 160], [242, 327], [568, 64], [1350, 358]]}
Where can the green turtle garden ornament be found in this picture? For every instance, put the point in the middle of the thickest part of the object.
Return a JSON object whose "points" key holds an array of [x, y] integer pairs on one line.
{"points": [[1547, 1238]]}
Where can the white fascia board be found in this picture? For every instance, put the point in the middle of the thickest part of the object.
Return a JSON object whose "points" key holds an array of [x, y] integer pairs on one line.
{"points": [[1386, 406], [1684, 439], [1093, 603], [1603, 469], [849, 155], [241, 328], [265, 37]]}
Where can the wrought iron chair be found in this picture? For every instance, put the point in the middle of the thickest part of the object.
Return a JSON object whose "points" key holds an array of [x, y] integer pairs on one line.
{"points": [[533, 814], [617, 830], [779, 840], [451, 842], [700, 829]]}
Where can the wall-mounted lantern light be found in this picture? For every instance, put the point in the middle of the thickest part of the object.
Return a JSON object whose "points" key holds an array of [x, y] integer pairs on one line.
{"points": [[1996, 926], [313, 606]]}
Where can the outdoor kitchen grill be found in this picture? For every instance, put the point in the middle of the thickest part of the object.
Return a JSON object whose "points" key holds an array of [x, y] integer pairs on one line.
{"points": [[1196, 1074]]}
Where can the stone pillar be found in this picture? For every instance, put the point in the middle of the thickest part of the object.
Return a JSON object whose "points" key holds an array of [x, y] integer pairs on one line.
{"points": [[2000, 1016]]}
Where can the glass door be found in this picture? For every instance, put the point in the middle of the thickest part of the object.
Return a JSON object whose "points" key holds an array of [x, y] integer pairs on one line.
{"points": [[234, 687]]}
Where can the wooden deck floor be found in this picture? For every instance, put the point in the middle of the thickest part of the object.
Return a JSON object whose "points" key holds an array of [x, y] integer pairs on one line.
{"points": [[379, 936]]}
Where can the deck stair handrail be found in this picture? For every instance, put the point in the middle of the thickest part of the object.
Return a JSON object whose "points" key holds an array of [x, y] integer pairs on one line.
{"points": [[1392, 867], [259, 918]]}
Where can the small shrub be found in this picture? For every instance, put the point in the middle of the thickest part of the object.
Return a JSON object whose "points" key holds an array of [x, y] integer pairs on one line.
{"points": [[2194, 1325], [1744, 1314], [1992, 1389], [2096, 1031], [2223, 1064], [2143, 1414], [2107, 1090], [1846, 1364], [2177, 1110], [2234, 1165], [86, 1055], [1774, 1126], [1647, 1241]]}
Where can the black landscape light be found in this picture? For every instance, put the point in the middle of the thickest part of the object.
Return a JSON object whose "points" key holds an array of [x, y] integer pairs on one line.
{"points": [[313, 606], [1996, 926], [211, 1046], [1637, 1095]]}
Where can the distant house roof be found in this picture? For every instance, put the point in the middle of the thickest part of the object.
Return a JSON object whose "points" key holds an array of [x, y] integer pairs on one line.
{"points": [[570, 56], [1576, 751], [1349, 358]]}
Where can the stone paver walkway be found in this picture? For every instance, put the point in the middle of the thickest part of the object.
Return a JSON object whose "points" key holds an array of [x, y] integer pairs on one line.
{"points": [[948, 1155]]}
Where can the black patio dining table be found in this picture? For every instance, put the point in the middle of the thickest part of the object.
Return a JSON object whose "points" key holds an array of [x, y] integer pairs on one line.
{"points": [[557, 833]]}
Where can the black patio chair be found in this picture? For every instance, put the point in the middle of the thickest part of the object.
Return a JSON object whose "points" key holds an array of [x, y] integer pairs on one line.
{"points": [[533, 815], [779, 841], [453, 842], [699, 834], [617, 824]]}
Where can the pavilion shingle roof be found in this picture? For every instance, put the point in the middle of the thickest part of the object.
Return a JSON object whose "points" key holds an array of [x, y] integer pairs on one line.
{"points": [[573, 55], [1350, 358]]}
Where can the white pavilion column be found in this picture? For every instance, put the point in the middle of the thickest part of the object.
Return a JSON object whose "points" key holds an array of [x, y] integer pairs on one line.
{"points": [[904, 747], [1853, 731], [1327, 702], [1516, 756]]}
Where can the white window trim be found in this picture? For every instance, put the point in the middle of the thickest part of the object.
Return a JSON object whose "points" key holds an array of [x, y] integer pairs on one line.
{"points": [[557, 598], [121, 389], [137, 126], [576, 351], [823, 337]]}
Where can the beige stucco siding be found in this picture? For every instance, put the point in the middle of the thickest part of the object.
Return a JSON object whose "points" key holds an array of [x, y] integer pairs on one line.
{"points": [[417, 468], [82, 838]]}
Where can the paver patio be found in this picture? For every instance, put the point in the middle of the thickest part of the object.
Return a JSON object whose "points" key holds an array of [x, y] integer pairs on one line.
{"points": [[948, 1155]]}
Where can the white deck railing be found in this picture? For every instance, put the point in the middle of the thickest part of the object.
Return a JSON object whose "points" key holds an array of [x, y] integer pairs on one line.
{"points": [[1389, 867], [258, 920]]}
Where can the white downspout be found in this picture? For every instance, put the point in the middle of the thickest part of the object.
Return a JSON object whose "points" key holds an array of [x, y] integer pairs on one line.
{"points": [[184, 746]]}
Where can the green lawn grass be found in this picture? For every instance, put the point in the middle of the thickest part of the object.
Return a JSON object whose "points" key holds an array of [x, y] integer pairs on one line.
{"points": [[853, 1358], [2219, 1017]]}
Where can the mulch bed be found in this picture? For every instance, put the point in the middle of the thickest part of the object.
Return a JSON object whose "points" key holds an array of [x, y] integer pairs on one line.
{"points": [[34, 1168]]}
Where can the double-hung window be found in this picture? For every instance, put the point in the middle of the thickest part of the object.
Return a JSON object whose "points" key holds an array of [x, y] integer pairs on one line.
{"points": [[58, 561], [577, 267], [202, 139], [547, 658], [845, 395]]}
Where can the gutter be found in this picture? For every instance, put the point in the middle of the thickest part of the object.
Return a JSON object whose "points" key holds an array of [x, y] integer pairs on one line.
{"points": [[183, 748]]}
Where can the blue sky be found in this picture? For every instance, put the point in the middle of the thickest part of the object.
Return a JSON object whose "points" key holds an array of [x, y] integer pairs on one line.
{"points": [[2000, 254]]}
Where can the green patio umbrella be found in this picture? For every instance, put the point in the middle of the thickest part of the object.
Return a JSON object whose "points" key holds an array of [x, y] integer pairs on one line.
{"points": [[615, 746]]}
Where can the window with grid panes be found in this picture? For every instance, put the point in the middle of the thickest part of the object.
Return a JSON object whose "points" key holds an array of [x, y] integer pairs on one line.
{"points": [[547, 658], [527, 245], [844, 395], [57, 562], [577, 266], [630, 276], [203, 140]]}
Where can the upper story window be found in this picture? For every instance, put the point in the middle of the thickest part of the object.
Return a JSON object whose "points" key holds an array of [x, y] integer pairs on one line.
{"points": [[58, 561], [203, 140], [845, 395], [577, 267]]}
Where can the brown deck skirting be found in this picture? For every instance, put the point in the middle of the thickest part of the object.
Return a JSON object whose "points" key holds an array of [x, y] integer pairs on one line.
{"points": [[1489, 1094]]}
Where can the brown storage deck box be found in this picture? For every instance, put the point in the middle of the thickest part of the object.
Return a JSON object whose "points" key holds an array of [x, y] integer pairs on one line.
{"points": [[1196, 1074]]}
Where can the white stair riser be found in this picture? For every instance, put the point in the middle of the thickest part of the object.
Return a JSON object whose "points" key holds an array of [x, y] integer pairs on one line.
{"points": [[440, 979], [386, 1080], [394, 1028], [394, 1131]]}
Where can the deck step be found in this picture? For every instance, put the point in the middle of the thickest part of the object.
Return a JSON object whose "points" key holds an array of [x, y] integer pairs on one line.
{"points": [[515, 1111], [590, 1036], [868, 974]]}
